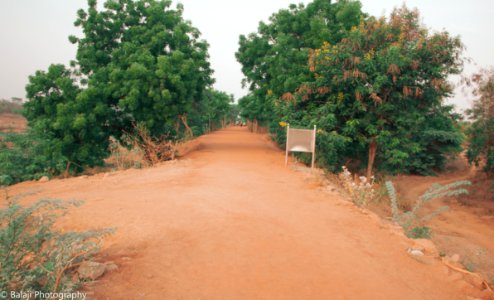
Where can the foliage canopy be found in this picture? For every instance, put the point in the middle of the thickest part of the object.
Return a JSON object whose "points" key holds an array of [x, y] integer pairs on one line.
{"points": [[481, 132], [374, 87], [138, 63]]}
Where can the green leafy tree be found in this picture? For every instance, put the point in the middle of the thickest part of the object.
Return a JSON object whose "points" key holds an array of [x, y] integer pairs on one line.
{"points": [[28, 156], [138, 62], [481, 131], [216, 108], [274, 59], [253, 107], [70, 120], [144, 60], [382, 89]]}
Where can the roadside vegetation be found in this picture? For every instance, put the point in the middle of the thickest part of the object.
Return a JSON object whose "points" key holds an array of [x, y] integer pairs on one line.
{"points": [[373, 86], [376, 89], [35, 256], [141, 77]]}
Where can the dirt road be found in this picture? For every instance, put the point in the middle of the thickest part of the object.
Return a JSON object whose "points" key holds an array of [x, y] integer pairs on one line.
{"points": [[229, 221]]}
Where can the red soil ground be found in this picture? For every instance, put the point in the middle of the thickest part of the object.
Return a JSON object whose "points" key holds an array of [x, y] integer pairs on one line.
{"points": [[12, 123], [229, 221], [467, 228]]}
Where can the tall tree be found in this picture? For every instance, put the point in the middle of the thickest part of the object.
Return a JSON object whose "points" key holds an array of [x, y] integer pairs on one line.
{"points": [[70, 120], [138, 62], [274, 59], [481, 131], [386, 83], [143, 59]]}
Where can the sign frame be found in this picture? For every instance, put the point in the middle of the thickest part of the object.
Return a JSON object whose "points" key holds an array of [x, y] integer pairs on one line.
{"points": [[310, 139]]}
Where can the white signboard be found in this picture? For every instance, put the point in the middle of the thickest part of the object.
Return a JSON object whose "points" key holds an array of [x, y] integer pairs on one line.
{"points": [[300, 140]]}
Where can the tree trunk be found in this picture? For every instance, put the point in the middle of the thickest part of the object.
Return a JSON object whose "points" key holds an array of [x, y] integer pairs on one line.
{"points": [[372, 156], [177, 127], [67, 170], [188, 130]]}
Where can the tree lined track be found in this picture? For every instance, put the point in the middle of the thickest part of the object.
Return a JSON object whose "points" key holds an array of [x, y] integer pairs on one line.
{"points": [[229, 221]]}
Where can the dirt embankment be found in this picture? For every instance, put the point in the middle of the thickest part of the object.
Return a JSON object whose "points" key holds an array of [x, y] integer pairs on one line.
{"points": [[467, 228], [10, 122], [229, 221]]}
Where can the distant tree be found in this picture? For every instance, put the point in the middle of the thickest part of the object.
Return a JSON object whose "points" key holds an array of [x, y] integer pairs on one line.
{"points": [[481, 131], [254, 108], [216, 109]]}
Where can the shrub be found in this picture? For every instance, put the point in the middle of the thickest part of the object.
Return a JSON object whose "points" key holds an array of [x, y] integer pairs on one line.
{"points": [[34, 256], [123, 158], [421, 232], [154, 150], [27, 156], [361, 191], [411, 222]]}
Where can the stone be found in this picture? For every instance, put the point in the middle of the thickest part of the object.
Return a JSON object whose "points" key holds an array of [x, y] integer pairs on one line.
{"points": [[415, 252], [426, 246], [455, 258], [44, 179], [91, 270]]}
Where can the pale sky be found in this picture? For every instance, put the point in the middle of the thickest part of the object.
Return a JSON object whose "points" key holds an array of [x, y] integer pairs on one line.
{"points": [[34, 33]]}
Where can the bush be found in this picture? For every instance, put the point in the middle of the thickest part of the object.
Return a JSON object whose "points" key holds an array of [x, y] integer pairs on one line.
{"points": [[421, 232], [154, 150], [123, 158], [411, 222], [27, 156], [34, 256], [361, 191]]}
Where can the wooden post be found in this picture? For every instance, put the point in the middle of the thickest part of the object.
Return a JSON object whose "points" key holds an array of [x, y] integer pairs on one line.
{"points": [[286, 148], [314, 147]]}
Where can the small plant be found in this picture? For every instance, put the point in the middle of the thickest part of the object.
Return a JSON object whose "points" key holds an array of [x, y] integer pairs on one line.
{"points": [[420, 232], [361, 191], [122, 158], [154, 150], [469, 266], [410, 220], [34, 257]]}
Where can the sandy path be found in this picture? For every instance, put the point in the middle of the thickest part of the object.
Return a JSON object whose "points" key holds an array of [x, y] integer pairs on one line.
{"points": [[231, 222]]}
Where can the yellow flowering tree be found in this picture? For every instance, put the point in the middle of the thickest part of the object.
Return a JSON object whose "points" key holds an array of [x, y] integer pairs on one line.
{"points": [[386, 83]]}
